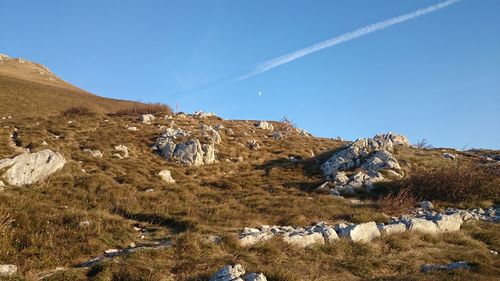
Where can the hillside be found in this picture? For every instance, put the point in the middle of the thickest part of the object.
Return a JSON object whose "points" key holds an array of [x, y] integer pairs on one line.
{"points": [[96, 196], [31, 89]]}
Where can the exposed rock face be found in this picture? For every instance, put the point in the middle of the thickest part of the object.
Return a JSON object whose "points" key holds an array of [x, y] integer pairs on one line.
{"points": [[189, 153], [147, 118], [166, 176], [364, 232], [236, 273], [7, 270], [371, 155], [264, 125], [28, 168]]}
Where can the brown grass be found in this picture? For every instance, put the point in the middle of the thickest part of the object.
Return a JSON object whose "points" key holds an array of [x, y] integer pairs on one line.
{"points": [[455, 183], [77, 111], [396, 204], [150, 108]]}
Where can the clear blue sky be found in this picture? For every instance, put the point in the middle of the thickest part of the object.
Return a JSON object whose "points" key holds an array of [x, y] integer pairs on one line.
{"points": [[435, 77]]}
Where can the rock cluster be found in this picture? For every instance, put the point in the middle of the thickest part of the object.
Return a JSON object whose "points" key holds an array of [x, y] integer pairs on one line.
{"points": [[202, 114], [264, 125], [29, 168], [189, 153], [371, 156], [449, 156], [236, 273], [424, 221]]}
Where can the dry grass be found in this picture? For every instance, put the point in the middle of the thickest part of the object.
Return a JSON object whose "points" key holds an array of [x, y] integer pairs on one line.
{"points": [[150, 108], [218, 199], [396, 204], [78, 111]]}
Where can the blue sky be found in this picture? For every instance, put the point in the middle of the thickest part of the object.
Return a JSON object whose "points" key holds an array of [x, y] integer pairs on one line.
{"points": [[435, 77]]}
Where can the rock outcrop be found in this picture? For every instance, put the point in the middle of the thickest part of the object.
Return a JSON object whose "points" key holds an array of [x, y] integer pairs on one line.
{"points": [[29, 168], [264, 125], [371, 155], [189, 153]]}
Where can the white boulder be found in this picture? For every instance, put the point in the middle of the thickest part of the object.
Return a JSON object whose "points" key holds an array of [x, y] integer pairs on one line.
{"points": [[7, 270], [28, 168], [147, 118], [421, 225], [264, 125], [166, 176], [389, 229], [448, 223], [364, 232], [304, 239]]}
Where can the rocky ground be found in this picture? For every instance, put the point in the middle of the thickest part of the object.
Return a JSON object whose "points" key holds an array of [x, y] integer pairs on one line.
{"points": [[195, 197]]}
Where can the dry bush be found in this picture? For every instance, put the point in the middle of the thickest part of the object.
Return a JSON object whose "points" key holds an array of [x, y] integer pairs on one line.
{"points": [[78, 111], [456, 183], [396, 204], [285, 126], [422, 144], [144, 108]]}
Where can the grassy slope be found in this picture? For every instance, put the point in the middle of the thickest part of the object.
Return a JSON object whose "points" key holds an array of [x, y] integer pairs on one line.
{"points": [[220, 199], [28, 89]]}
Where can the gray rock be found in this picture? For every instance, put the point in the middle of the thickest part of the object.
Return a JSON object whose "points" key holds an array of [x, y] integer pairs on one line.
{"points": [[450, 156], [229, 273], [304, 239], [123, 151], [421, 225], [28, 168], [93, 152], [448, 223], [255, 277], [428, 268], [426, 205]]}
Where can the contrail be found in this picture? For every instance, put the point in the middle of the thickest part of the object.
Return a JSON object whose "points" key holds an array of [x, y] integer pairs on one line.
{"points": [[270, 64]]}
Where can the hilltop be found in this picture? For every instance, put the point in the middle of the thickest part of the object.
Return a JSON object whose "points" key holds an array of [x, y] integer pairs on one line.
{"points": [[95, 195], [31, 89]]}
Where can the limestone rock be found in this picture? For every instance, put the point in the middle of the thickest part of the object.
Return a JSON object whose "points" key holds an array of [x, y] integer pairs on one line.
{"points": [[264, 125], [421, 225], [123, 151], [255, 277], [8, 270], [380, 160], [229, 273], [304, 239], [390, 229], [364, 232], [426, 205], [166, 176], [28, 168], [93, 152], [450, 156], [147, 118], [202, 114], [253, 145], [448, 223], [427, 268]]}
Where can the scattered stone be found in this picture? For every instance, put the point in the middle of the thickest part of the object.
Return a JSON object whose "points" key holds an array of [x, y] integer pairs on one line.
{"points": [[133, 129], [264, 125], [147, 118], [111, 251], [450, 156], [149, 190], [93, 152], [427, 268], [8, 270], [302, 132], [84, 223], [426, 205], [44, 143], [236, 273], [123, 151], [304, 239], [28, 168], [166, 176], [253, 145], [278, 135], [448, 223]]}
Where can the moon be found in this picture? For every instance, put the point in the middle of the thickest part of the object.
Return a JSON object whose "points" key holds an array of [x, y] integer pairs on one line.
{"points": [[259, 93]]}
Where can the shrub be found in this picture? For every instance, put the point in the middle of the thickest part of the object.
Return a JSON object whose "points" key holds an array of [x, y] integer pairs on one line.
{"points": [[455, 183], [396, 204], [144, 108], [78, 111], [423, 144]]}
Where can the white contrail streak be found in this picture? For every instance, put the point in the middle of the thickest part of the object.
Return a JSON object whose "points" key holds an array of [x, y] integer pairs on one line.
{"points": [[270, 64]]}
